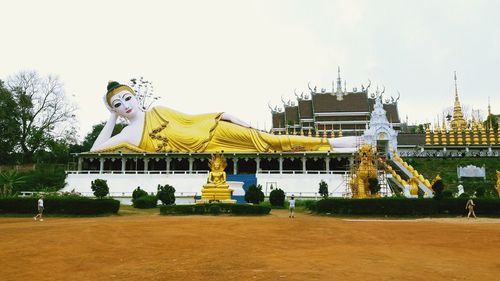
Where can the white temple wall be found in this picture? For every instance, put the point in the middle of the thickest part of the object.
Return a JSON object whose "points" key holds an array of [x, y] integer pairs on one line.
{"points": [[301, 185]]}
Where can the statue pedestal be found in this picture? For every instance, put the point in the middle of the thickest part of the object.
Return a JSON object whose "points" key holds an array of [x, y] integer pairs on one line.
{"points": [[212, 193]]}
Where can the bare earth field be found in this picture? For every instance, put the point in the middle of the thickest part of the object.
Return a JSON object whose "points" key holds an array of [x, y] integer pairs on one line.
{"points": [[152, 247]]}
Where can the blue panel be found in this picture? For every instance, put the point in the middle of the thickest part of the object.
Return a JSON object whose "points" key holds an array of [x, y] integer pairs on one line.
{"points": [[247, 179]]}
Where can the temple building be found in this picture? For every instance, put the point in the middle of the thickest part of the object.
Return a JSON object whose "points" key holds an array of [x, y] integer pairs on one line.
{"points": [[338, 111]]}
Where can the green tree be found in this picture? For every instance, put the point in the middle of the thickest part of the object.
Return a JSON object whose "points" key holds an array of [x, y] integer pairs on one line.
{"points": [[323, 189], [100, 188], [44, 111], [166, 194], [9, 125], [254, 194]]}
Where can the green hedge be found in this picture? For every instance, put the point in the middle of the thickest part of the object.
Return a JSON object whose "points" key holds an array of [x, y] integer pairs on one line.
{"points": [[145, 202], [405, 207], [215, 209], [70, 205]]}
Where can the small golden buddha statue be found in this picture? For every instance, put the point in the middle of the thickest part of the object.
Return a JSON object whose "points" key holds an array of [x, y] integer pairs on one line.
{"points": [[216, 188]]}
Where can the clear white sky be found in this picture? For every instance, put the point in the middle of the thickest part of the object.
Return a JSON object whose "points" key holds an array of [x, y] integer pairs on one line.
{"points": [[235, 56]]}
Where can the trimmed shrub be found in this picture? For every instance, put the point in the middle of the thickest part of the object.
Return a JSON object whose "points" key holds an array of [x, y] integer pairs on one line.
{"points": [[323, 189], [71, 205], [145, 202], [166, 194], [406, 207], [438, 188], [277, 198], [447, 193], [214, 210], [479, 192], [100, 188], [217, 208], [138, 192], [464, 195], [254, 194]]}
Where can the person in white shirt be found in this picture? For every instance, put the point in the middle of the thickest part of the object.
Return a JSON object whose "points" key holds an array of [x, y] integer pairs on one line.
{"points": [[291, 203], [40, 208]]}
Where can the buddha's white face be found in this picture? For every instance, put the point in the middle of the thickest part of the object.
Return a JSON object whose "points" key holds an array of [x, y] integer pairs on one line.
{"points": [[125, 104]]}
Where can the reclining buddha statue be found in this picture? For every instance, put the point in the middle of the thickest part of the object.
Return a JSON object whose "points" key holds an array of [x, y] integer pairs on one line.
{"points": [[162, 129]]}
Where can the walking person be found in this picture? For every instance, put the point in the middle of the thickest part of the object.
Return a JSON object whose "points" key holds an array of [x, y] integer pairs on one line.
{"points": [[470, 206], [40, 209], [291, 207]]}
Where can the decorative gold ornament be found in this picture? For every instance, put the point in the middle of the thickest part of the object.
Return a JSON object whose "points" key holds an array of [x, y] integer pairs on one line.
{"points": [[427, 135]]}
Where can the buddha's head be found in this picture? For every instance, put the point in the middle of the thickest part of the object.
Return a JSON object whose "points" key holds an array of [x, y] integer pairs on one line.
{"points": [[122, 100]]}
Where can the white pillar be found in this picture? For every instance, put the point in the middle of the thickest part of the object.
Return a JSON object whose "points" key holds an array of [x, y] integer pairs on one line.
{"points": [[235, 166], [327, 164], [101, 165], [191, 161], [281, 164], [124, 161], [146, 161], [80, 161], [168, 160], [257, 166], [304, 160]]}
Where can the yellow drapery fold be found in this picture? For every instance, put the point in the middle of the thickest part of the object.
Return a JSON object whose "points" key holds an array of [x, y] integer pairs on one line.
{"points": [[168, 130]]}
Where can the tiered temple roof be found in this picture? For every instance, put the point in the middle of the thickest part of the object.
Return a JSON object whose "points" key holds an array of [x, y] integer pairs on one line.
{"points": [[333, 110]]}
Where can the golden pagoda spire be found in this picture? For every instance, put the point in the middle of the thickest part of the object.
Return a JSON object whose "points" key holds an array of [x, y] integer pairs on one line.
{"points": [[458, 118], [340, 131], [482, 131], [435, 132], [460, 140], [467, 136], [475, 136], [427, 135], [444, 140], [490, 125], [324, 132], [332, 133]]}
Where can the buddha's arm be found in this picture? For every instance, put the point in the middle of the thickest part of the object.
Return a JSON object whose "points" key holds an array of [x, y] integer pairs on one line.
{"points": [[106, 132], [233, 119]]}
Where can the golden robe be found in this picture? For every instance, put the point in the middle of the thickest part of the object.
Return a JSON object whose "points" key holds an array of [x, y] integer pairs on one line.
{"points": [[167, 130]]}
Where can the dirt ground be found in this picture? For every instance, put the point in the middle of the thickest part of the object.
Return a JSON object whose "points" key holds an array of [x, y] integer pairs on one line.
{"points": [[152, 247]]}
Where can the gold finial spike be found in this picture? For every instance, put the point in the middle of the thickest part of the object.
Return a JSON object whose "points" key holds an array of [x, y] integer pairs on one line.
{"points": [[294, 130], [340, 131], [317, 132], [309, 133], [301, 131]]}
